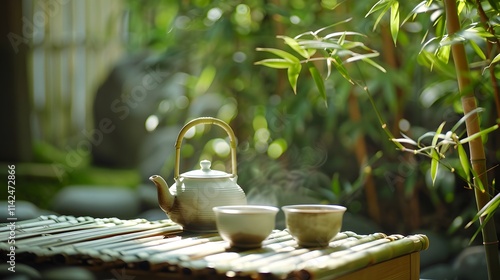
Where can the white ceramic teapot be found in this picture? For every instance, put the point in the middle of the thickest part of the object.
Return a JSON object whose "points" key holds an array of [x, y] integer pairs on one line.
{"points": [[189, 201]]}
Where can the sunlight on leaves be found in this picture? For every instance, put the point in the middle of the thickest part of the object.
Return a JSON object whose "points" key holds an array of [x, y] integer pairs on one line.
{"points": [[383, 6], [434, 165], [283, 54], [464, 161], [275, 63], [293, 75], [487, 212], [295, 46], [443, 53], [394, 23], [483, 132]]}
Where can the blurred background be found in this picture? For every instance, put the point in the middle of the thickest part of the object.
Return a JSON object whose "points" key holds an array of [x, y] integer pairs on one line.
{"points": [[95, 93]]}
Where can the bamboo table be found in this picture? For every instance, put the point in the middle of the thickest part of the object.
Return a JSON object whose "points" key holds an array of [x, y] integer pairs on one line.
{"points": [[161, 250]]}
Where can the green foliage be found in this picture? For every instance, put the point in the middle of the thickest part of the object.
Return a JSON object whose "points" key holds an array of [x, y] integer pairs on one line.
{"points": [[337, 52], [383, 6], [487, 213], [440, 144], [434, 53], [325, 52]]}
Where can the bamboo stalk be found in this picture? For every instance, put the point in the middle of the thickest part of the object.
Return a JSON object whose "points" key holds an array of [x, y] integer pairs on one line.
{"points": [[477, 155]]}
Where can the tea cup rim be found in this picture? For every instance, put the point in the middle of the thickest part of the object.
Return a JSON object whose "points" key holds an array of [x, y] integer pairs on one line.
{"points": [[245, 209], [313, 208]]}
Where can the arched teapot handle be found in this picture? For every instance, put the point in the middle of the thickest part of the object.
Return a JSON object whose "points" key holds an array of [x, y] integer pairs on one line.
{"points": [[205, 120]]}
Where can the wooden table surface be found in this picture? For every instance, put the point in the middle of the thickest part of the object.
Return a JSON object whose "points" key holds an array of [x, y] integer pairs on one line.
{"points": [[161, 250]]}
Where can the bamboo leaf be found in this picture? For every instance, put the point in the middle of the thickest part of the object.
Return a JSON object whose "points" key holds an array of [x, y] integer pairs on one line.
{"points": [[315, 33], [475, 33], [295, 46], [315, 44], [438, 64], [424, 149], [462, 119], [404, 140], [434, 165], [488, 210], [424, 45], [374, 64], [477, 181], [306, 33], [435, 154], [341, 40], [361, 57], [283, 54], [293, 75], [328, 68], [443, 53], [495, 60], [438, 132], [394, 21], [347, 45], [408, 138], [460, 6], [422, 7], [341, 68], [452, 40], [337, 34], [464, 161], [425, 135], [332, 44], [311, 52], [481, 227], [383, 6], [317, 79], [276, 63], [479, 134]]}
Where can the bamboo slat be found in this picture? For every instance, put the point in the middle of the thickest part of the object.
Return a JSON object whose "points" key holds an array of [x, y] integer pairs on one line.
{"points": [[160, 248]]}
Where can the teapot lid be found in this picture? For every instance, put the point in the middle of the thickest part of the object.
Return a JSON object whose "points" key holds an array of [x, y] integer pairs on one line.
{"points": [[205, 172]]}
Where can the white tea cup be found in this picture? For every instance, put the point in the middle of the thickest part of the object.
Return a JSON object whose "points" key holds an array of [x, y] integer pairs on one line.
{"points": [[245, 226]]}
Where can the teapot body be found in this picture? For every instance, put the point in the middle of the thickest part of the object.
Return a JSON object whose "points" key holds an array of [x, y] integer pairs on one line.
{"points": [[190, 201], [195, 198]]}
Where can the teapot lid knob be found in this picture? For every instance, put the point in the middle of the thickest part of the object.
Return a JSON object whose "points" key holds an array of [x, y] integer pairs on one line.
{"points": [[205, 172], [205, 165]]}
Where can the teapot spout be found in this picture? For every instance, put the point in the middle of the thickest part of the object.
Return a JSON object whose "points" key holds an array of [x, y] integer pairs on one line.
{"points": [[165, 198]]}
